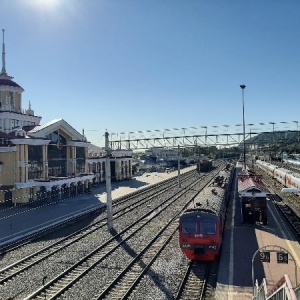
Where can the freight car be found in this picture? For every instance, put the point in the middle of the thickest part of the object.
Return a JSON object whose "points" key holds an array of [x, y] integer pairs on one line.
{"points": [[286, 177], [201, 228], [253, 198]]}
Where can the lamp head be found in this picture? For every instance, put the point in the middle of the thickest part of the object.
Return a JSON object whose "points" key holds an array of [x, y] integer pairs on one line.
{"points": [[242, 86]]}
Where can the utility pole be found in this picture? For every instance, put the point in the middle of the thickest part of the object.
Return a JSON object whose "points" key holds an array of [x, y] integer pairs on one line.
{"points": [[108, 183], [178, 154], [199, 169], [243, 88]]}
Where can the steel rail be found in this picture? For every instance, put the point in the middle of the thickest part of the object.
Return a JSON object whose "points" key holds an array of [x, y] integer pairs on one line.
{"points": [[193, 284], [20, 266], [62, 282]]}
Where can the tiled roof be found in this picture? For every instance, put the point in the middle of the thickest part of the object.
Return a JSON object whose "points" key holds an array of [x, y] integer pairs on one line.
{"points": [[249, 182]]}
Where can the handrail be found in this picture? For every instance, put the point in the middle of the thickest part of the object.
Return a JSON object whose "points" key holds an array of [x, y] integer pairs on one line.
{"points": [[283, 283], [283, 286]]}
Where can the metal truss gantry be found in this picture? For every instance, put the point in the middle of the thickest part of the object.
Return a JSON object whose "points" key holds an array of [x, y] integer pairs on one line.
{"points": [[203, 136]]}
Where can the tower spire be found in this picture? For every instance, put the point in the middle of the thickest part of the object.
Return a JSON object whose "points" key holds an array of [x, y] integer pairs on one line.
{"points": [[3, 71]]}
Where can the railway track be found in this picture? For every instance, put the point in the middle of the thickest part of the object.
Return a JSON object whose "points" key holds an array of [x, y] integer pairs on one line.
{"points": [[288, 205], [55, 286], [292, 218], [193, 284], [127, 280], [69, 277], [20, 266], [120, 203], [60, 284]]}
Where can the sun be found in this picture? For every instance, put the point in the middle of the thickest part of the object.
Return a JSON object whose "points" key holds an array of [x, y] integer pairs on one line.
{"points": [[49, 3], [44, 4]]}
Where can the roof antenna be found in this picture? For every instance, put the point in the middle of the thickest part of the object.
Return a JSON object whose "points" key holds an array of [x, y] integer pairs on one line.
{"points": [[3, 71]]}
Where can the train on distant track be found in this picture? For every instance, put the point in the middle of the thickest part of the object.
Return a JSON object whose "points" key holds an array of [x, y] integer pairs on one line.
{"points": [[201, 227], [286, 177], [204, 165]]}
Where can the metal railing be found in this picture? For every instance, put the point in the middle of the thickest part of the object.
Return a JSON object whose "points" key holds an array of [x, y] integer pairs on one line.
{"points": [[282, 290]]}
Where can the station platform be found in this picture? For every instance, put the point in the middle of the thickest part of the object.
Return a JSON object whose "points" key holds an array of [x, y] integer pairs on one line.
{"points": [[237, 272], [18, 221]]}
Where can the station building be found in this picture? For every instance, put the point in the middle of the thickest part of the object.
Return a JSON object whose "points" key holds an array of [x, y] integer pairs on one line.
{"points": [[46, 161]]}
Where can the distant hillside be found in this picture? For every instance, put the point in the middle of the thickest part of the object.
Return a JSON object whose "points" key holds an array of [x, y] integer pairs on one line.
{"points": [[277, 142], [280, 138]]}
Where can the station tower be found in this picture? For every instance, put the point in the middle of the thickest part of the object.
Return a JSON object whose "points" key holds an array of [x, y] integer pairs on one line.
{"points": [[12, 115]]}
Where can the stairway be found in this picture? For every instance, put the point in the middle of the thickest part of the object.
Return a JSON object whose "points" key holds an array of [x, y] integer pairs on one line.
{"points": [[282, 290]]}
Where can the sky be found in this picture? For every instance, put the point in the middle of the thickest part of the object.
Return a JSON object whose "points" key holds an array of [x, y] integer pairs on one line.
{"points": [[135, 65]]}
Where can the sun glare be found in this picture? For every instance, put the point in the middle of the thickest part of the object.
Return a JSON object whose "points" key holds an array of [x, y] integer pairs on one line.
{"points": [[44, 4], [52, 13]]}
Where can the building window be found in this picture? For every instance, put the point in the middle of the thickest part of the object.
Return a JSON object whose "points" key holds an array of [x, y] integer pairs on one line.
{"points": [[57, 155], [80, 160], [11, 100], [14, 123], [35, 162]]}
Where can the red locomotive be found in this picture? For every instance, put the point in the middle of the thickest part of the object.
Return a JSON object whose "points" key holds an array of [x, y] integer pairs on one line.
{"points": [[201, 228]]}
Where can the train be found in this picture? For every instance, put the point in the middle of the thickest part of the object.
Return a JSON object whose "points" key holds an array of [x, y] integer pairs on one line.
{"points": [[204, 165], [293, 160], [201, 227], [286, 177], [253, 198]]}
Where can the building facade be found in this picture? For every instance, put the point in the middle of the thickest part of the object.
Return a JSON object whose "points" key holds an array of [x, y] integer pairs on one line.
{"points": [[120, 164], [49, 161]]}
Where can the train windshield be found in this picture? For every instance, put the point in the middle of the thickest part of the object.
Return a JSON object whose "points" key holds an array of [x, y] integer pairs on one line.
{"points": [[208, 224], [189, 226], [208, 227]]}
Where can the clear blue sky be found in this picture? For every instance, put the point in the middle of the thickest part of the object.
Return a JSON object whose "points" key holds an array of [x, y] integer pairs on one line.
{"points": [[153, 64]]}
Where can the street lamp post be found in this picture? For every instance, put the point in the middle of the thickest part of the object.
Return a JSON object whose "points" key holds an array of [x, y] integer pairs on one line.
{"points": [[243, 88]]}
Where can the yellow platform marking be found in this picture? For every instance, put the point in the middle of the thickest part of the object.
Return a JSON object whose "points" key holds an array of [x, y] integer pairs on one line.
{"points": [[291, 247]]}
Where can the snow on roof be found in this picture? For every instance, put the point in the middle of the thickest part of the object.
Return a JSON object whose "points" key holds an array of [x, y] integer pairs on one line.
{"points": [[41, 127]]}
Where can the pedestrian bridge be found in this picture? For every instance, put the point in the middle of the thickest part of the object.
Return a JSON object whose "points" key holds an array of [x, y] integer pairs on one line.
{"points": [[219, 135]]}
